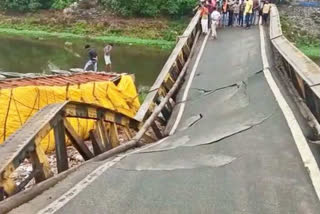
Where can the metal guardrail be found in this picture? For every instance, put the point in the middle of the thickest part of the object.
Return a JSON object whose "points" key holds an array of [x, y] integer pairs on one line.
{"points": [[25, 143], [156, 109], [302, 71]]}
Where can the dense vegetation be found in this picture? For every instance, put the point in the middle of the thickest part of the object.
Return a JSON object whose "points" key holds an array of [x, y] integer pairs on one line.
{"points": [[308, 44], [149, 8], [32, 5]]}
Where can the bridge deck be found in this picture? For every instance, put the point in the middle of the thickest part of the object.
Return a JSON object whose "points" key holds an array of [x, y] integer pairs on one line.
{"points": [[233, 151]]}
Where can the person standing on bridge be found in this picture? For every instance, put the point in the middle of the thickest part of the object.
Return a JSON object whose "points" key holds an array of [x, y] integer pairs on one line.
{"points": [[260, 11], [255, 12], [248, 12], [93, 59], [209, 6], [230, 11], [224, 13], [215, 16], [236, 11], [212, 5], [241, 14], [204, 13], [107, 57], [265, 12]]}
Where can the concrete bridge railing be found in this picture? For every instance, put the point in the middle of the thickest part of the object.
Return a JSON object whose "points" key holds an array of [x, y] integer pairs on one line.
{"points": [[146, 127], [26, 142], [302, 71], [170, 72]]}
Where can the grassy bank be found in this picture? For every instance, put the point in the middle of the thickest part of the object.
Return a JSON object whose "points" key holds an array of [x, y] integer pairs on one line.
{"points": [[311, 51], [38, 34], [308, 44], [161, 32]]}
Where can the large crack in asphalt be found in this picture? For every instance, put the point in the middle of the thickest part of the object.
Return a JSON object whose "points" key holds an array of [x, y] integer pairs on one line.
{"points": [[213, 160], [206, 92], [217, 136], [190, 135], [191, 121], [202, 90], [231, 133]]}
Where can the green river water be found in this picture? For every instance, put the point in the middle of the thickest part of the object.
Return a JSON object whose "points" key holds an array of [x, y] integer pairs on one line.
{"points": [[35, 56]]}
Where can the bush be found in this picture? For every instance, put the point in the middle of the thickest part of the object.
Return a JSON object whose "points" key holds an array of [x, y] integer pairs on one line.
{"points": [[32, 5], [61, 4], [150, 8]]}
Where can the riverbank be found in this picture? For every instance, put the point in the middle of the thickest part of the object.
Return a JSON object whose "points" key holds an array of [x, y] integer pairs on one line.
{"points": [[160, 32], [311, 51], [301, 25], [39, 34]]}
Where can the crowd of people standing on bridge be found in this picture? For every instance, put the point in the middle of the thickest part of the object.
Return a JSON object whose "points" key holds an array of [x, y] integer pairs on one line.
{"points": [[231, 13]]}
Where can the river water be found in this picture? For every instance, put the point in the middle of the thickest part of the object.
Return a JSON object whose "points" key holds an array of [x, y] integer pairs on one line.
{"points": [[35, 56]]}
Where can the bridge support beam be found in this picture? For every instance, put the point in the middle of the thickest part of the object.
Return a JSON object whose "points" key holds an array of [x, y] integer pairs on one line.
{"points": [[61, 149], [77, 142]]}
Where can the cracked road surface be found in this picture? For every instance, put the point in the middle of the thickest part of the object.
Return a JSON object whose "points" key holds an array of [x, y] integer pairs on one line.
{"points": [[232, 153]]}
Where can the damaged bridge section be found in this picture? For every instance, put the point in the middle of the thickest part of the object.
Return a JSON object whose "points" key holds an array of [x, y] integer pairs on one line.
{"points": [[232, 151]]}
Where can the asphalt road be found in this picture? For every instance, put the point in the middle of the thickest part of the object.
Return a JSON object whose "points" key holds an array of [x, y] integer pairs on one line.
{"points": [[232, 153]]}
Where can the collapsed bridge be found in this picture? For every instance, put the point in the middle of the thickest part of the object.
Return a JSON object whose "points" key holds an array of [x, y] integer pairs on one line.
{"points": [[234, 138]]}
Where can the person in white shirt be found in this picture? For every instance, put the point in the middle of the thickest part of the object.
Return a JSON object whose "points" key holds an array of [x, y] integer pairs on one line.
{"points": [[215, 17], [107, 57]]}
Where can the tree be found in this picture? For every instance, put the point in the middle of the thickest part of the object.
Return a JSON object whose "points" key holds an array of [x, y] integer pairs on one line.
{"points": [[32, 5], [150, 8]]}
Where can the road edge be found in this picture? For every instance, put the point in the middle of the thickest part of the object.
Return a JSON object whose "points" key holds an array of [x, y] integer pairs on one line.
{"points": [[296, 131], [188, 86]]}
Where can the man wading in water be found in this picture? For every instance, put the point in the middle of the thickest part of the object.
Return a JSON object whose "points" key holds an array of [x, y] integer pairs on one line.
{"points": [[93, 59], [107, 57]]}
